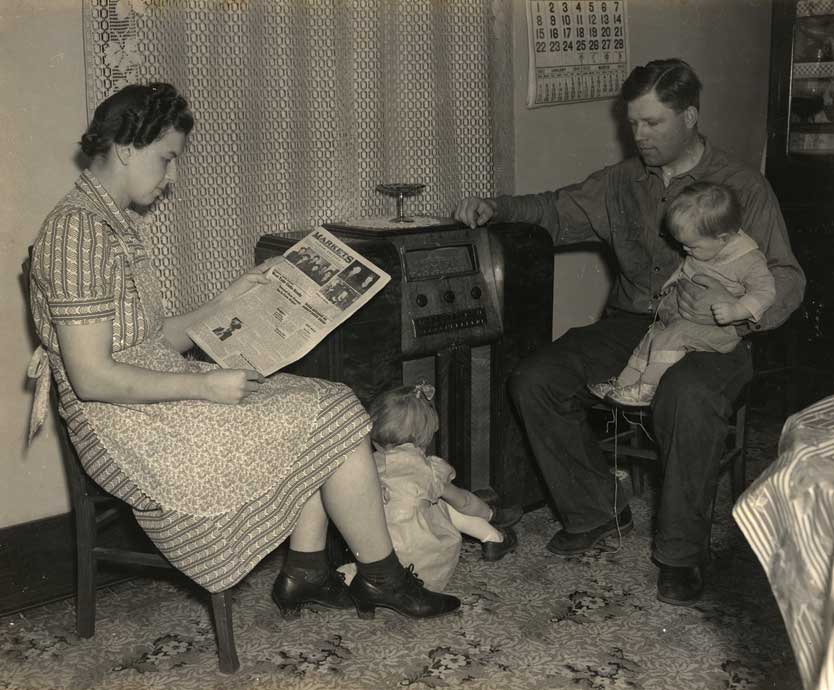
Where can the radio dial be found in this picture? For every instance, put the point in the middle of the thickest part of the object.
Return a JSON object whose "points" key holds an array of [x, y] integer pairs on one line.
{"points": [[476, 292], [422, 300], [449, 296]]}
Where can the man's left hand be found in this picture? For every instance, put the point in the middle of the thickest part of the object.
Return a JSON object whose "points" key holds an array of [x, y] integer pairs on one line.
{"points": [[696, 296]]}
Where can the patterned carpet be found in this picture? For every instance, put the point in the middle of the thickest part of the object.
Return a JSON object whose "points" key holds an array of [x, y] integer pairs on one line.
{"points": [[531, 621]]}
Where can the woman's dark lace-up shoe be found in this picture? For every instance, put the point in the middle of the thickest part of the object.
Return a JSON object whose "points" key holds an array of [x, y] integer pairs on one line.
{"points": [[407, 597], [291, 593]]}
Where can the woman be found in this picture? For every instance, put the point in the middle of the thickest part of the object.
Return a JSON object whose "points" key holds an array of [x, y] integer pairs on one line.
{"points": [[219, 465]]}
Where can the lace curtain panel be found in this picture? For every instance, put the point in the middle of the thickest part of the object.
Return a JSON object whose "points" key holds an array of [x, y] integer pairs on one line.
{"points": [[302, 107]]}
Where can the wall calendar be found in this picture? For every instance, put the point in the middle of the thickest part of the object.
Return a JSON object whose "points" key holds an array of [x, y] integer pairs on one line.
{"points": [[578, 50]]}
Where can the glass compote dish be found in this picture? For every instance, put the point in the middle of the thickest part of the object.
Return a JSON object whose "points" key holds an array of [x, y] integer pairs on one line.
{"points": [[400, 190]]}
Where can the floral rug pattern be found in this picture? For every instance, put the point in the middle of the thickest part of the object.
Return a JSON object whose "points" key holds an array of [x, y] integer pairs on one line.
{"points": [[531, 621]]}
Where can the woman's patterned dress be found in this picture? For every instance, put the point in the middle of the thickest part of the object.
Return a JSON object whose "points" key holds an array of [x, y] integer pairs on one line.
{"points": [[216, 487]]}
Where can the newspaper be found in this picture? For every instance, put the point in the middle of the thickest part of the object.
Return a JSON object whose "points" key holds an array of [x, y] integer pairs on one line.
{"points": [[315, 286]]}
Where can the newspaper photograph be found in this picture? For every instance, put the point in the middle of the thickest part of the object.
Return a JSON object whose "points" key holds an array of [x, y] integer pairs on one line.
{"points": [[318, 284]]}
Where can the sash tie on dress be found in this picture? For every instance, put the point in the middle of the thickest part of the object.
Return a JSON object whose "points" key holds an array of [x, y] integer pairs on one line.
{"points": [[39, 370]]}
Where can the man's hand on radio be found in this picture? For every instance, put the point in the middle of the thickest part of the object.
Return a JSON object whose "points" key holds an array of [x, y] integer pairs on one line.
{"points": [[474, 211]]}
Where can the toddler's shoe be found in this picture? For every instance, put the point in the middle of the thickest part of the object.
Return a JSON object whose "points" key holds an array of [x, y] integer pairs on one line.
{"points": [[635, 395], [504, 518], [496, 550], [501, 517]]}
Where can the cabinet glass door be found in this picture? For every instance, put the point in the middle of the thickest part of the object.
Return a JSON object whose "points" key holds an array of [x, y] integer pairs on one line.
{"points": [[812, 79]]}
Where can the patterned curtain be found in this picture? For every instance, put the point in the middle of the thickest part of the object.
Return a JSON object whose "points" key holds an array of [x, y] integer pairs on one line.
{"points": [[302, 107]]}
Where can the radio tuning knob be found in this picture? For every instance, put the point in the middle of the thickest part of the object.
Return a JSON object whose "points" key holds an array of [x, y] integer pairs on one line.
{"points": [[421, 300], [448, 296], [476, 292]]}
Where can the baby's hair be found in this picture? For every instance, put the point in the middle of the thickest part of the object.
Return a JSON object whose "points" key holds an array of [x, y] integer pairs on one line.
{"points": [[136, 115], [712, 209], [403, 415]]}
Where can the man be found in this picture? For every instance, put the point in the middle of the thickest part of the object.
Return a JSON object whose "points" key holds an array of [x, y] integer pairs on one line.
{"points": [[622, 206]]}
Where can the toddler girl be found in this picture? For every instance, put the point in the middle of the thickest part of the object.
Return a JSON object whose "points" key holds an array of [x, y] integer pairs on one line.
{"points": [[426, 513]]}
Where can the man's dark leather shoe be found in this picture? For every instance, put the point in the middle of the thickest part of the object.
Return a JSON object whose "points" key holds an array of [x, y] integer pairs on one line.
{"points": [[572, 544], [290, 593], [496, 550], [679, 586], [504, 518], [408, 597]]}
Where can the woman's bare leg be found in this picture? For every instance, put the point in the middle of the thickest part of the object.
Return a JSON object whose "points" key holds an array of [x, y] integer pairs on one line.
{"points": [[310, 533], [306, 575], [353, 500]]}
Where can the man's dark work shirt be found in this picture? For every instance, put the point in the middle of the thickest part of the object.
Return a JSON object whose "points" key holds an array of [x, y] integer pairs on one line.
{"points": [[623, 206]]}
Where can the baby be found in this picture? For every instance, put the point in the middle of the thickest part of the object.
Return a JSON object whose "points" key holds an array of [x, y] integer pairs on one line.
{"points": [[706, 220]]}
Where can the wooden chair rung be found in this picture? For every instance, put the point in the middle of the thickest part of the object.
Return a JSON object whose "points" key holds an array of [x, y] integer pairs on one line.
{"points": [[624, 450], [127, 557], [105, 517]]}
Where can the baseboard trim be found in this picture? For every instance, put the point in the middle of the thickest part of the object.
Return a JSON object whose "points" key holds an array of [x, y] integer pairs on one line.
{"points": [[37, 561]]}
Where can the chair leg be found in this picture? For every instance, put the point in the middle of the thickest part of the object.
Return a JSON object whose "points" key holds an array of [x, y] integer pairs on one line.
{"points": [[638, 477], [738, 469], [221, 606], [85, 569], [638, 482]]}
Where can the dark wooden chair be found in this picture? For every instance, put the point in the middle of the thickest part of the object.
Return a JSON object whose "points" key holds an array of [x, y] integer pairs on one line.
{"points": [[93, 508], [634, 446]]}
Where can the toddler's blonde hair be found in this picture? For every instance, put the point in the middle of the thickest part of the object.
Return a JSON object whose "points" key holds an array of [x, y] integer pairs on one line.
{"points": [[403, 415]]}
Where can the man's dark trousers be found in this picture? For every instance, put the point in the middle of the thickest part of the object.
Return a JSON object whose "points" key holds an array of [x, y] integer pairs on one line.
{"points": [[690, 416]]}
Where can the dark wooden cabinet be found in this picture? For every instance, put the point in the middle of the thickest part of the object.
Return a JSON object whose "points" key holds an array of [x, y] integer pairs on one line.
{"points": [[800, 166]]}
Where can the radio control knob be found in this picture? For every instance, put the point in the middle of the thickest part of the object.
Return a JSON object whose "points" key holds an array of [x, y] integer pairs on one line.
{"points": [[476, 292], [422, 300], [449, 296]]}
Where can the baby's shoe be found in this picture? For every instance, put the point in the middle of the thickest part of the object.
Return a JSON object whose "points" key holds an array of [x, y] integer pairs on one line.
{"points": [[496, 550], [602, 390], [635, 395]]}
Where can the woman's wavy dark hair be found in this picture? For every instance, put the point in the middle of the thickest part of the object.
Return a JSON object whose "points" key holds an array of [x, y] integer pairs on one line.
{"points": [[673, 80], [137, 115]]}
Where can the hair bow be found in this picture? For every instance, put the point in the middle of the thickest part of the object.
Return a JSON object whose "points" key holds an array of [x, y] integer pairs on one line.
{"points": [[424, 389]]}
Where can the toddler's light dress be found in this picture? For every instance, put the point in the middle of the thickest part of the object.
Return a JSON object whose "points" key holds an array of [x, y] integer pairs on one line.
{"points": [[418, 520]]}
